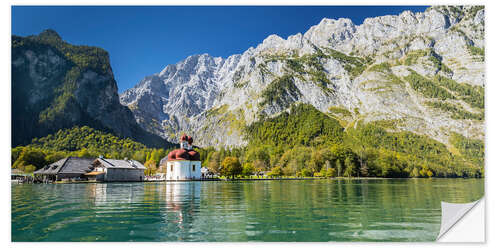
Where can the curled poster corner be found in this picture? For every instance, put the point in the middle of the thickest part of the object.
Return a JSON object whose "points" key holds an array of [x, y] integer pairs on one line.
{"points": [[451, 214]]}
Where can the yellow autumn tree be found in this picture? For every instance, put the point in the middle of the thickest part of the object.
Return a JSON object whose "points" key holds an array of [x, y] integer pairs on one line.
{"points": [[150, 167]]}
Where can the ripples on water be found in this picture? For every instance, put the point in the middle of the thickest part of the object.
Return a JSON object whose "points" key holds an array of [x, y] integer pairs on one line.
{"points": [[302, 210]]}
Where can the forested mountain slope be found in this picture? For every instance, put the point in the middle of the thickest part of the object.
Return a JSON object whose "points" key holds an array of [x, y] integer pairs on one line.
{"points": [[56, 85]]}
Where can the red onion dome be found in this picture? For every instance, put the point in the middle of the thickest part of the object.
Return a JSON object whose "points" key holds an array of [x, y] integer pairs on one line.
{"points": [[193, 155], [190, 140], [171, 155], [184, 137], [178, 154], [181, 154]]}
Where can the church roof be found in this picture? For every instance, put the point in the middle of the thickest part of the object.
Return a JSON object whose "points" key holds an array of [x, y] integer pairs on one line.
{"points": [[183, 155]]}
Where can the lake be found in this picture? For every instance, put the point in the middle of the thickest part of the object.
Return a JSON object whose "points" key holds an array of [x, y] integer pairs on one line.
{"points": [[287, 210]]}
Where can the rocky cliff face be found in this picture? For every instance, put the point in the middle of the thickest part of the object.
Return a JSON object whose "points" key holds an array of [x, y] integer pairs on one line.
{"points": [[420, 72], [56, 85]]}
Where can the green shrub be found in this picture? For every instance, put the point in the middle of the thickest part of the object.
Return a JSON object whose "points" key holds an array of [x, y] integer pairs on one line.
{"points": [[473, 95], [278, 92], [427, 87], [381, 67], [476, 51], [471, 149], [456, 111], [340, 111]]}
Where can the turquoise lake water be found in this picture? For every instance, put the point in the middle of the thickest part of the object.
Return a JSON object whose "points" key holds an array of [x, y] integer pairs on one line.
{"points": [[291, 210]]}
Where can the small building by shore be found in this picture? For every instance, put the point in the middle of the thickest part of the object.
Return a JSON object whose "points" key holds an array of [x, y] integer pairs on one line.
{"points": [[67, 168], [116, 170]]}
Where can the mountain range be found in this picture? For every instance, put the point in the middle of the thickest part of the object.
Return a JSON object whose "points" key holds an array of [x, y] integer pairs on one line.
{"points": [[417, 72]]}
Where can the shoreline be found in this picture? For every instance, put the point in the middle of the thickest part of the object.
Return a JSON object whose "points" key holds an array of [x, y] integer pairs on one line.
{"points": [[246, 179]]}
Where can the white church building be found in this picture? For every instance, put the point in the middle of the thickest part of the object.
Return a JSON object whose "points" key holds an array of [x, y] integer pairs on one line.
{"points": [[183, 170], [183, 163]]}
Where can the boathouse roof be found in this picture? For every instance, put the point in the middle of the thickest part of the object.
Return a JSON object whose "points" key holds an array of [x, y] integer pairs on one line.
{"points": [[76, 165], [69, 165]]}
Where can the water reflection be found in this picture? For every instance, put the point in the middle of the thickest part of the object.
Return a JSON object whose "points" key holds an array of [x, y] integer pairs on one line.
{"points": [[182, 202], [328, 210]]}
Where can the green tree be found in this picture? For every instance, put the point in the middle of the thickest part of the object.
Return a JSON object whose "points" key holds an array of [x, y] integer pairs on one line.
{"points": [[248, 169], [426, 172], [318, 159], [204, 154], [276, 171], [157, 155], [30, 156], [350, 167], [29, 169], [150, 167], [15, 153], [231, 166], [321, 173], [259, 156], [140, 156], [214, 162], [84, 153], [330, 172], [53, 157], [414, 173], [306, 172]]}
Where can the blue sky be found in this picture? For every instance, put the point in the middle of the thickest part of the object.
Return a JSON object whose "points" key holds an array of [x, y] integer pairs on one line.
{"points": [[143, 40]]}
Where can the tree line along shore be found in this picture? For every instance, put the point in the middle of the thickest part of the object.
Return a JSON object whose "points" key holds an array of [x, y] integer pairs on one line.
{"points": [[302, 143]]}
